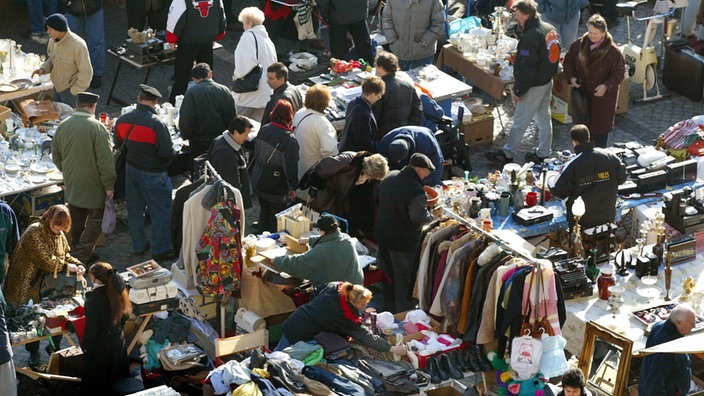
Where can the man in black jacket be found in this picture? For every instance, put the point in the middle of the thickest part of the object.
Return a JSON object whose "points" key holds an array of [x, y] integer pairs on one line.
{"points": [[594, 174], [206, 111], [226, 155], [403, 211], [400, 104], [277, 78], [536, 63]]}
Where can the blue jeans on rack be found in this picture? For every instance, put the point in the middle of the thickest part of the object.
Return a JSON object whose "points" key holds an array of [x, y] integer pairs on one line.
{"points": [[36, 10], [92, 29], [534, 105], [149, 191]]}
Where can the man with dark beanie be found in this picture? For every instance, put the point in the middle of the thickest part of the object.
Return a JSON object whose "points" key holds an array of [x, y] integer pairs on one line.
{"points": [[67, 60]]}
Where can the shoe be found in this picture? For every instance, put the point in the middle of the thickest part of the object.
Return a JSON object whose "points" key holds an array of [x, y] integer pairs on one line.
{"points": [[144, 250], [431, 368], [535, 158], [96, 82], [457, 361], [450, 368], [34, 359], [167, 255], [473, 360], [498, 156], [484, 363], [41, 38]]}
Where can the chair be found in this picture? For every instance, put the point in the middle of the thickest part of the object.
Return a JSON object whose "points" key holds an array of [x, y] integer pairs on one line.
{"points": [[231, 345]]}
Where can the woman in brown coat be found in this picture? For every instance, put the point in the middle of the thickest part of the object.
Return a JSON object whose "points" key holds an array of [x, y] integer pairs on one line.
{"points": [[594, 63], [42, 250]]}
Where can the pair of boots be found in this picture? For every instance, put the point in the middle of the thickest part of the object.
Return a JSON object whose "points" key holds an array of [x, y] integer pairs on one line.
{"points": [[475, 360], [442, 367]]}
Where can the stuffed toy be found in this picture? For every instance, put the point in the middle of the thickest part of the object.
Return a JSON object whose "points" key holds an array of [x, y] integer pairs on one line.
{"points": [[503, 374]]}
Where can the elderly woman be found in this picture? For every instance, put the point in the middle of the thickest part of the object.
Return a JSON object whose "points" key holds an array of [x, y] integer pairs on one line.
{"points": [[595, 64], [315, 134], [342, 188], [42, 250], [254, 48], [275, 172]]}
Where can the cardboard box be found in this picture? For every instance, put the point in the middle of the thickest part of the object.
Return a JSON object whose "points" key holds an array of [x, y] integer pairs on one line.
{"points": [[559, 111], [37, 202], [5, 113], [623, 96], [434, 326], [479, 131]]}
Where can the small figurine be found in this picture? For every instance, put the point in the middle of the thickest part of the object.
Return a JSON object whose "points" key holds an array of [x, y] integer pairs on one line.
{"points": [[688, 285]]}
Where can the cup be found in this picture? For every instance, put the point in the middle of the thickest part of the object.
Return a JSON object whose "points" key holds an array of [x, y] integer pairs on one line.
{"points": [[104, 118], [531, 199], [504, 202]]}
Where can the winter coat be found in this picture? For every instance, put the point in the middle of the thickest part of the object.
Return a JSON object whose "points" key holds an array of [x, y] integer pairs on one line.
{"points": [[195, 22], [84, 7], [342, 12], [326, 313], [537, 57], [339, 173], [40, 252], [207, 109], [316, 138], [316, 266], [595, 175], [275, 155], [403, 210], [68, 62], [405, 23], [82, 150], [231, 165], [246, 59], [421, 140], [399, 106], [664, 373], [360, 132], [149, 145], [561, 10], [287, 92], [605, 66]]}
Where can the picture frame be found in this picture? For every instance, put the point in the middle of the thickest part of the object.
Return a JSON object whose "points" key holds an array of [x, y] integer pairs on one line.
{"points": [[605, 360]]}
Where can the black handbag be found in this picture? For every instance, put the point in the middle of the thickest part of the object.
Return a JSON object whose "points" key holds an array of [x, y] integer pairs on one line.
{"points": [[273, 179], [121, 153], [578, 107], [250, 82]]}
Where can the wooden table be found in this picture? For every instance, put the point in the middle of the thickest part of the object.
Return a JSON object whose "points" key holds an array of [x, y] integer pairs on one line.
{"points": [[64, 333], [23, 93], [475, 74]]}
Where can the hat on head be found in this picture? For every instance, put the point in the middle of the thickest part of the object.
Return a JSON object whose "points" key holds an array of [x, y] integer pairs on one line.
{"points": [[57, 22], [421, 161], [150, 90], [326, 223], [87, 98], [398, 152]]}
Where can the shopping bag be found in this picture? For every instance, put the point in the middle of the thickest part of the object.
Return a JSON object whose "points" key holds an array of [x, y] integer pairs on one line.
{"points": [[578, 107], [109, 216]]}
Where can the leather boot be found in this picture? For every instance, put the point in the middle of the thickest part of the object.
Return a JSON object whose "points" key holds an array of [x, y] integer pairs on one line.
{"points": [[484, 363], [456, 360], [472, 360], [450, 368], [432, 370]]}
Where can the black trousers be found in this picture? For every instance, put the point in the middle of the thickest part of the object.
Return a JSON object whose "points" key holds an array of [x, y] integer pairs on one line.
{"points": [[157, 19], [601, 140], [360, 36], [186, 55], [267, 213], [86, 227]]}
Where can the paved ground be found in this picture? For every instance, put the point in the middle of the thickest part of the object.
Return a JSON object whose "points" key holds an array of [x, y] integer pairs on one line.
{"points": [[643, 122]]}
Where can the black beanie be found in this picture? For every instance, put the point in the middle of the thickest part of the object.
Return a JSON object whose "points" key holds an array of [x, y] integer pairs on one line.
{"points": [[57, 22]]}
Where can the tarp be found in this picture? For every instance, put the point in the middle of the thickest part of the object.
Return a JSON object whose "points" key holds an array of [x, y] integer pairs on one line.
{"points": [[693, 343]]}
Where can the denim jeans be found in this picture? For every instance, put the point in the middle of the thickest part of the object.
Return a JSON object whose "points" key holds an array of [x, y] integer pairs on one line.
{"points": [[566, 29], [92, 29], [149, 191], [64, 97], [534, 105], [689, 19], [412, 64], [37, 12]]}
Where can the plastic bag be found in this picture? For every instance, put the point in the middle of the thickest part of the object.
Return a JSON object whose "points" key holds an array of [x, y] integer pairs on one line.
{"points": [[109, 216], [464, 25]]}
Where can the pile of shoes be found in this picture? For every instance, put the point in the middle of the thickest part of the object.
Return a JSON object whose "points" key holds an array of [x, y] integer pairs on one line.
{"points": [[452, 364]]}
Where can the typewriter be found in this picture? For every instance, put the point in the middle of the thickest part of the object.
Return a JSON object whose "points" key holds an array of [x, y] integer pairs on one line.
{"points": [[572, 277]]}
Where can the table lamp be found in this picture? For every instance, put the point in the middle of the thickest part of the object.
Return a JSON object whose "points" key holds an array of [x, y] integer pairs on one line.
{"points": [[578, 211]]}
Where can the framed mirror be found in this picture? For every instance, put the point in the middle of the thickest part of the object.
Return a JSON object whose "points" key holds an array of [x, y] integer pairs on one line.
{"points": [[605, 360]]}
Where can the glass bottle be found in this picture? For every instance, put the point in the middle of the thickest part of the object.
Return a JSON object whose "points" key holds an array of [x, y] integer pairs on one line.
{"points": [[592, 270], [605, 280]]}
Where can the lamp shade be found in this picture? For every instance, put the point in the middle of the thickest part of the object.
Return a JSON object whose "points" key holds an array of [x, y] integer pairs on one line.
{"points": [[578, 208]]}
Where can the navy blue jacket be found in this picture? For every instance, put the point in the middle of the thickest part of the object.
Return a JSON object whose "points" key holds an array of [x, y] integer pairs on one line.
{"points": [[421, 140], [360, 127], [664, 373]]}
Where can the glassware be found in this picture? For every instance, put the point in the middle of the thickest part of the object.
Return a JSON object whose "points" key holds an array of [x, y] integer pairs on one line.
{"points": [[648, 288]]}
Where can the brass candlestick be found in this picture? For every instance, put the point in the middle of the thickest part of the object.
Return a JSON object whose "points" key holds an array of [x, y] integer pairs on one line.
{"points": [[668, 276], [577, 246]]}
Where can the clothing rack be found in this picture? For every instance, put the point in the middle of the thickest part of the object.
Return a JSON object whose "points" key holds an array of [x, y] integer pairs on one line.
{"points": [[500, 242]]}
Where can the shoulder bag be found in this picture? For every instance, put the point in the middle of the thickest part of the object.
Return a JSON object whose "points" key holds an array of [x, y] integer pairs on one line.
{"points": [[250, 82], [121, 153]]}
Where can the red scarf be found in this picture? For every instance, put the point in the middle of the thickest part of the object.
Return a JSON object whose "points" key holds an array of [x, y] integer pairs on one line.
{"points": [[346, 310], [282, 126]]}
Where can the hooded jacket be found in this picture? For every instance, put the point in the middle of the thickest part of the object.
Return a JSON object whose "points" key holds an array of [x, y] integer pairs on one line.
{"points": [[595, 175], [537, 57]]}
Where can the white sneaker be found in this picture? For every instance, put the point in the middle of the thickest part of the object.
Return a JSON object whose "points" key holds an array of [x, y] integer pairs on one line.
{"points": [[40, 38]]}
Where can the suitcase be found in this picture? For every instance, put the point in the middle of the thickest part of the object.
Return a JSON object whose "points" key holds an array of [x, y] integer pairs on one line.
{"points": [[157, 278], [684, 72]]}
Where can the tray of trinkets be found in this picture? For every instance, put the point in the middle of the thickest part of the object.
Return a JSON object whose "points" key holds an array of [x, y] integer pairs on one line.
{"points": [[144, 268], [651, 315]]}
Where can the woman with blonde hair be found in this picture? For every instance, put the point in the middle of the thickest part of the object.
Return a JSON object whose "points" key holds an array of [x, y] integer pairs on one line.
{"points": [[338, 308], [42, 250], [106, 310], [254, 48]]}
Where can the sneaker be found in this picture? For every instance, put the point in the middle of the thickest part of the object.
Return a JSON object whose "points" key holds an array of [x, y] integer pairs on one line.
{"points": [[535, 158], [498, 156], [41, 38], [96, 82]]}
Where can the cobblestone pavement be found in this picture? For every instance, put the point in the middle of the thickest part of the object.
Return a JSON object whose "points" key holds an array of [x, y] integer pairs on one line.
{"points": [[643, 122]]}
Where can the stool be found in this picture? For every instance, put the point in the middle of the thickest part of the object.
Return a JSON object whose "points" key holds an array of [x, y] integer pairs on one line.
{"points": [[126, 386]]}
